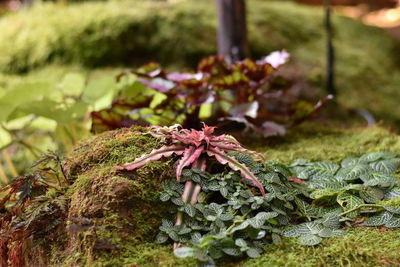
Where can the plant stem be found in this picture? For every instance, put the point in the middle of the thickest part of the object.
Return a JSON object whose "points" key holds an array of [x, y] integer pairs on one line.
{"points": [[3, 176], [360, 206], [9, 163], [242, 219]]}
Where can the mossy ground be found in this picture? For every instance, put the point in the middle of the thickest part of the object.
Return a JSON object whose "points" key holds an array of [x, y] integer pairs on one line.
{"points": [[361, 247], [114, 216]]}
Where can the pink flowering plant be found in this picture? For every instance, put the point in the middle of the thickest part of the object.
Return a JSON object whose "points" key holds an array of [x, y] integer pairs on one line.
{"points": [[195, 148]]}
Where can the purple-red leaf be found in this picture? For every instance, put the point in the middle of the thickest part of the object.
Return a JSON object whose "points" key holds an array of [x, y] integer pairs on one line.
{"points": [[190, 155], [154, 155]]}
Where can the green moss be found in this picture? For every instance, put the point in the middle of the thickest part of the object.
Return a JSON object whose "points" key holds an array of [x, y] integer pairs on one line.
{"points": [[147, 255], [361, 247], [395, 202], [322, 143]]}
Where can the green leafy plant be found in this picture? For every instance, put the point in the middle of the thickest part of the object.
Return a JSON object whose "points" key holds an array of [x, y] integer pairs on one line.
{"points": [[36, 116], [252, 93], [307, 200]]}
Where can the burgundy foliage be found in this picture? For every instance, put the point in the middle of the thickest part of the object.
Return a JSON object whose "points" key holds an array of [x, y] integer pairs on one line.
{"points": [[248, 92]]}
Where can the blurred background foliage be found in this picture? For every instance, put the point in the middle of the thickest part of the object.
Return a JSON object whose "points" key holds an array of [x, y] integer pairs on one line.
{"points": [[59, 59]]}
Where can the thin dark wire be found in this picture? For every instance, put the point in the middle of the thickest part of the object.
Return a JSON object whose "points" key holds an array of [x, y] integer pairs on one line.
{"points": [[330, 68]]}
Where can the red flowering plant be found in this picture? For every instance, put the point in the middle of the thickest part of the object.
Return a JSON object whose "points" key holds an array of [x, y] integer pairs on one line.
{"points": [[248, 92]]}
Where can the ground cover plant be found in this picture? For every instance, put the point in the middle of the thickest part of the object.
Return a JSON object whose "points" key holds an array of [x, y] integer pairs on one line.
{"points": [[230, 219], [85, 232], [249, 92]]}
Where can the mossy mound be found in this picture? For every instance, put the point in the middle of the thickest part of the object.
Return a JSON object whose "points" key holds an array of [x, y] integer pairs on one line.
{"points": [[110, 212], [113, 216]]}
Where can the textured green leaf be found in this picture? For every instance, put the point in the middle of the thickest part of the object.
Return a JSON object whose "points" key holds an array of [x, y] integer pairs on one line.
{"points": [[226, 217], [266, 215], [372, 195], [347, 162], [395, 210], [177, 201], [305, 208], [184, 230], [299, 162], [310, 240], [349, 201], [371, 157], [167, 223], [319, 170], [325, 193], [216, 208], [330, 220], [310, 228], [386, 166], [379, 179], [174, 236], [393, 222], [271, 177], [282, 169], [240, 242], [241, 226], [352, 172], [190, 210], [393, 193], [161, 238], [328, 232], [379, 220], [195, 238], [253, 253], [255, 222], [224, 191], [164, 197], [185, 252], [214, 252], [325, 232], [232, 251], [291, 231]]}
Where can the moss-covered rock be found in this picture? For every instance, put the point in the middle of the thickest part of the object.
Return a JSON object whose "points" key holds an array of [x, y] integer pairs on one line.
{"points": [[112, 217], [109, 212]]}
